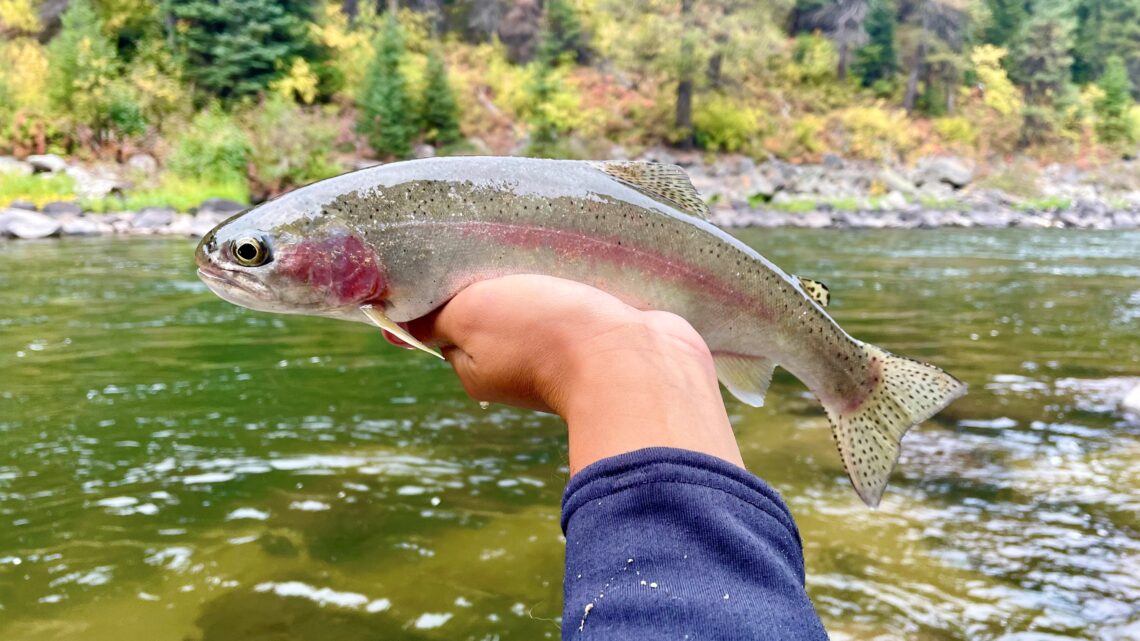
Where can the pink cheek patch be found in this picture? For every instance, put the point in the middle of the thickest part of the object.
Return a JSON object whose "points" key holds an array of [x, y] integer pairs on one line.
{"points": [[341, 266]]}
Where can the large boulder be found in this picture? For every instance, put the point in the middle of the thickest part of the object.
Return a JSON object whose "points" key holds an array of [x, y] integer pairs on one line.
{"points": [[9, 165], [943, 169], [153, 219], [142, 164], [95, 184], [85, 226], [47, 163], [27, 224], [62, 208]]}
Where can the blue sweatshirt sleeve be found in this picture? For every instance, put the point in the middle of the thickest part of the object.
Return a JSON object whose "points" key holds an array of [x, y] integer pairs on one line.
{"points": [[665, 543]]}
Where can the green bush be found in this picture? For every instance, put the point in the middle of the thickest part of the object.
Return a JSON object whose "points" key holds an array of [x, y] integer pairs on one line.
{"points": [[814, 59], [289, 145], [956, 130], [721, 124], [172, 191], [212, 150]]}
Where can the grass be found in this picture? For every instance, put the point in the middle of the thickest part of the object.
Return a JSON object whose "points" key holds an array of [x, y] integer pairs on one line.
{"points": [[802, 205], [178, 193], [37, 188], [1046, 203]]}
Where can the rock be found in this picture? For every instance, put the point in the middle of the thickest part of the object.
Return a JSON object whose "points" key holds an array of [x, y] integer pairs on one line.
{"points": [[22, 204], [85, 226], [832, 161], [143, 164], [153, 218], [49, 163], [896, 181], [182, 225], [1131, 402], [9, 165], [91, 185], [62, 208], [423, 151], [221, 208], [893, 200], [27, 224], [199, 227], [944, 169], [813, 220]]}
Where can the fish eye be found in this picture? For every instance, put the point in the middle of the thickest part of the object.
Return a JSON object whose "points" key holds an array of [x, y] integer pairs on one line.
{"points": [[250, 252]]}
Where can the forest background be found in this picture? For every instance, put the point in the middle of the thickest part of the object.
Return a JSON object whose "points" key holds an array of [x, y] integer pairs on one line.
{"points": [[245, 99]]}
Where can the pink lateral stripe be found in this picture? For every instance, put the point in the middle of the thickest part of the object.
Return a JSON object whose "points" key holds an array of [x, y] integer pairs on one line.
{"points": [[572, 245]]}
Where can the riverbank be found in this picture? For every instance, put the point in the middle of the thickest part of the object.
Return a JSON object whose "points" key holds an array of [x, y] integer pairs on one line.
{"points": [[938, 191]]}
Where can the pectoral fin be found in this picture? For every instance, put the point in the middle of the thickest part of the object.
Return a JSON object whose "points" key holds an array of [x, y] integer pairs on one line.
{"points": [[383, 322]]}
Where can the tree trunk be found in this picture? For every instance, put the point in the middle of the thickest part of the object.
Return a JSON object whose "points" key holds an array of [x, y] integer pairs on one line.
{"points": [[350, 8], [684, 116], [713, 72], [917, 64], [843, 56]]}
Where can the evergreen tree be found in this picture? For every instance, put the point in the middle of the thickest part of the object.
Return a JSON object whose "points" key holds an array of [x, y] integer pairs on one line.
{"points": [[235, 48], [1041, 63], [439, 112], [384, 114], [1113, 112], [1106, 28], [561, 33], [878, 60], [1006, 20]]}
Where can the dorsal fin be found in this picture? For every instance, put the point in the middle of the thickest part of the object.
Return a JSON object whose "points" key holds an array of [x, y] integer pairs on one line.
{"points": [[668, 184], [816, 290]]}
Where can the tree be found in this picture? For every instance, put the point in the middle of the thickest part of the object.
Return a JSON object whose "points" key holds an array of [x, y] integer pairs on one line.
{"points": [[842, 21], [1106, 28], [1041, 62], [439, 113], [939, 30], [235, 48], [1114, 122], [877, 60], [670, 41], [1006, 19], [562, 33], [385, 116]]}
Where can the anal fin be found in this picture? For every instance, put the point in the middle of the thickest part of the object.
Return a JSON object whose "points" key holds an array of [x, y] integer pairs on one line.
{"points": [[747, 377]]}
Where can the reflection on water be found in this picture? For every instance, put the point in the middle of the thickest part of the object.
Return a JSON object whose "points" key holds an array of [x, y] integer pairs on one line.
{"points": [[184, 469]]}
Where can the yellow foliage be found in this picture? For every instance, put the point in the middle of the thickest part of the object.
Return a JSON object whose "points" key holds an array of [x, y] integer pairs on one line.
{"points": [[998, 93], [725, 125], [19, 15], [300, 82], [956, 130], [23, 70], [352, 48], [872, 132]]}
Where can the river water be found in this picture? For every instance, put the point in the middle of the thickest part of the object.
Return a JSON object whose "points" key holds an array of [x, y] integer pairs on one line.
{"points": [[174, 467]]}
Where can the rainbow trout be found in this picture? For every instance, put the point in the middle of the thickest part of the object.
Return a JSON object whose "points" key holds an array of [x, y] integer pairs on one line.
{"points": [[389, 244]]}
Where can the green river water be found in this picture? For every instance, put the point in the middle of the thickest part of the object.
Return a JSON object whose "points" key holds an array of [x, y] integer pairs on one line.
{"points": [[174, 467]]}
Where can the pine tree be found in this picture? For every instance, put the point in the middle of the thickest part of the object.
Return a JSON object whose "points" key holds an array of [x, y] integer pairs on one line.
{"points": [[1113, 112], [1106, 28], [561, 32], [384, 114], [1007, 18], [439, 112], [235, 48], [1041, 64], [878, 60]]}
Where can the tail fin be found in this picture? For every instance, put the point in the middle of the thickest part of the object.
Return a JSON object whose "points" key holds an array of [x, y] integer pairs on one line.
{"points": [[905, 394]]}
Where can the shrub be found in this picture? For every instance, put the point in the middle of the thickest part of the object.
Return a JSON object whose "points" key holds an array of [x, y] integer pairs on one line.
{"points": [[289, 146], [814, 59], [872, 132], [212, 150], [956, 130], [723, 125], [172, 191]]}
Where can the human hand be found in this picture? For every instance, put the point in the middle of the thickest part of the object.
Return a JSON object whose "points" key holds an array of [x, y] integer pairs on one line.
{"points": [[623, 379]]}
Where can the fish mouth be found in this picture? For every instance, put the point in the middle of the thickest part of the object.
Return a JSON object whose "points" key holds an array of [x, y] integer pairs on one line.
{"points": [[235, 287]]}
